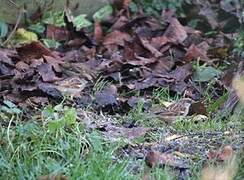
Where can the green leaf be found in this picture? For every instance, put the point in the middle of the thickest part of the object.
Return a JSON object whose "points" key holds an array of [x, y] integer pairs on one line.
{"points": [[3, 29], [50, 43], [102, 13], [70, 116], [204, 74], [81, 22], [23, 36], [54, 18], [54, 125], [133, 7], [37, 28]]}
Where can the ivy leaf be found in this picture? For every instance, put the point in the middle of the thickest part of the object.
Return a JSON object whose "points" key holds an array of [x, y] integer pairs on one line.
{"points": [[3, 29], [69, 116], [23, 36], [102, 13], [204, 74], [50, 43], [81, 22], [54, 18], [37, 28]]}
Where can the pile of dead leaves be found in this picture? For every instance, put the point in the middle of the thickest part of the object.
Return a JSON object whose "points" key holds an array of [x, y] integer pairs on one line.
{"points": [[136, 53]]}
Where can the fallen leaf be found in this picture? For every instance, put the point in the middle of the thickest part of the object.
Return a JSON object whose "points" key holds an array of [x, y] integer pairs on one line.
{"points": [[149, 47], [175, 32], [56, 33], [34, 50], [3, 29], [50, 91], [47, 73], [107, 97], [116, 38], [194, 52], [204, 74], [102, 13], [23, 36], [98, 32]]}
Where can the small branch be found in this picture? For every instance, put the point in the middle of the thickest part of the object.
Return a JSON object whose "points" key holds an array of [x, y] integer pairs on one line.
{"points": [[15, 27]]}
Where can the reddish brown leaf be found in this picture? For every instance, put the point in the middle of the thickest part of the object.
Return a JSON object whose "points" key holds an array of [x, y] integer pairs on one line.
{"points": [[194, 52], [198, 108], [98, 32], [47, 73], [116, 38], [34, 50], [175, 32], [21, 66], [56, 33], [149, 47], [158, 42]]}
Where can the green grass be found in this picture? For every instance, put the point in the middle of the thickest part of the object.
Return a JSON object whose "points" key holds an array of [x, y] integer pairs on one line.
{"points": [[58, 144], [29, 150]]}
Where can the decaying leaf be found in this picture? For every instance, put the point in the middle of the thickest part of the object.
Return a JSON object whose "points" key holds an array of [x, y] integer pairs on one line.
{"points": [[175, 32], [116, 38], [107, 97]]}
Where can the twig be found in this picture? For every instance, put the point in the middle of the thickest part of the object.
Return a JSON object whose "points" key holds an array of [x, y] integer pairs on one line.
{"points": [[8, 136], [15, 27]]}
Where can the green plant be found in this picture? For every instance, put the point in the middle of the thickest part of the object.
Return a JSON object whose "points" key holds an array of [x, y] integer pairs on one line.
{"points": [[239, 43], [154, 7]]}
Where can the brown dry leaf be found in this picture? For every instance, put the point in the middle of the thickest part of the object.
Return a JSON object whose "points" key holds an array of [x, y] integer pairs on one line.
{"points": [[198, 108], [154, 158], [34, 50], [194, 52], [56, 33], [98, 32], [116, 38], [175, 32], [126, 3], [50, 91], [5, 56], [21, 66], [209, 16], [121, 21], [47, 73], [107, 97], [145, 43], [158, 42], [238, 85]]}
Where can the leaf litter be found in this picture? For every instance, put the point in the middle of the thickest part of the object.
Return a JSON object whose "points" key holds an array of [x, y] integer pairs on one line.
{"points": [[138, 53]]}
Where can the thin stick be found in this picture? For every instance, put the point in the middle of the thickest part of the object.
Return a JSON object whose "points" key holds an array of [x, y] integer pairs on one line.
{"points": [[8, 136], [15, 27]]}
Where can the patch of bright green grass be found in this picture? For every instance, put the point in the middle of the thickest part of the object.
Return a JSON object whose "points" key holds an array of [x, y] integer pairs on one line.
{"points": [[31, 149]]}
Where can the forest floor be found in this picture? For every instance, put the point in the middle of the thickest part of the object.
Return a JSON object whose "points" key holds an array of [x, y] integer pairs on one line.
{"points": [[125, 96]]}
